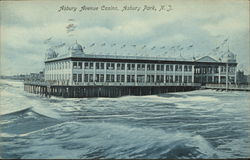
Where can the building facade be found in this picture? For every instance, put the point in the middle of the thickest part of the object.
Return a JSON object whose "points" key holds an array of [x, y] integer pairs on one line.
{"points": [[78, 69]]}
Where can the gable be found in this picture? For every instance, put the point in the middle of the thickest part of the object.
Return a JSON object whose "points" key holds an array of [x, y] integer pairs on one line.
{"points": [[206, 59]]}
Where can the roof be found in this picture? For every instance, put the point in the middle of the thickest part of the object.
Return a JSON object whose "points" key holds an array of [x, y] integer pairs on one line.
{"points": [[206, 59]]}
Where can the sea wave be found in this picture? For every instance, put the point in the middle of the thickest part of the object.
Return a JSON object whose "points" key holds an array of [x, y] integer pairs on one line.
{"points": [[108, 140]]}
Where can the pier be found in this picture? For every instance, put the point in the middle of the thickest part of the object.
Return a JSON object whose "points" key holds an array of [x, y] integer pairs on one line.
{"points": [[105, 90], [231, 87]]}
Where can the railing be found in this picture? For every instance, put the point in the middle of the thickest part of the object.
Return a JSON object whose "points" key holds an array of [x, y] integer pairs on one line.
{"points": [[109, 84], [119, 57], [230, 86]]}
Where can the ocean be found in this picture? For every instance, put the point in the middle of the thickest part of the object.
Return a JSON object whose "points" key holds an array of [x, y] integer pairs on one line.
{"points": [[196, 124]]}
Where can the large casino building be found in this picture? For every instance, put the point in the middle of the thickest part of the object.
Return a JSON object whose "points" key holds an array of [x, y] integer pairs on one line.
{"points": [[78, 68]]}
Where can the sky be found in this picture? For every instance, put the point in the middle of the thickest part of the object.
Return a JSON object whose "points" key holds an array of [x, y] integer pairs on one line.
{"points": [[190, 28]]}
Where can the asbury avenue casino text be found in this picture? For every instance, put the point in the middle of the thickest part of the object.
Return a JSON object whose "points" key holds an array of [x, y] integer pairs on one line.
{"points": [[77, 74]]}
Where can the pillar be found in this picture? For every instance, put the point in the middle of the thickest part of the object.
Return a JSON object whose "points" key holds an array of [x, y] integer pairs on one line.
{"points": [[219, 74]]}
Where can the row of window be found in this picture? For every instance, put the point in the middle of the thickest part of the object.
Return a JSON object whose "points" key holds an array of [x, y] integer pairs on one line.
{"points": [[131, 78], [210, 70], [119, 66], [131, 66]]}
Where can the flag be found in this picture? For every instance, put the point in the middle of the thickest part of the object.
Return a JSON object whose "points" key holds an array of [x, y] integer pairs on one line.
{"points": [[217, 48], [162, 47], [143, 47], [172, 47], [46, 41], [180, 48], [113, 44], [103, 44], [190, 46], [133, 45], [153, 48], [92, 45], [123, 46], [71, 27], [224, 41]]}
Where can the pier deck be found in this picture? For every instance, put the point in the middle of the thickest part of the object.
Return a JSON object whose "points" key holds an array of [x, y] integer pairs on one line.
{"points": [[112, 89], [234, 87]]}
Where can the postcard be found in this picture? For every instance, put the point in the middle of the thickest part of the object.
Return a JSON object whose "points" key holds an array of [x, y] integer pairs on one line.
{"points": [[123, 79]]}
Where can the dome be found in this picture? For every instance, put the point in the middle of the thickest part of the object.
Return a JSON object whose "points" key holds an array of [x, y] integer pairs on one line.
{"points": [[229, 56], [51, 53], [76, 48]]}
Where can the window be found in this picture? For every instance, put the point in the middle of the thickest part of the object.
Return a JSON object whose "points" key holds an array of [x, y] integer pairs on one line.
{"points": [[189, 68], [148, 67], [162, 67], [108, 78], [97, 78], [86, 65], [133, 78], [74, 77], [129, 66], [86, 78], [133, 67], [118, 66], [143, 66], [118, 78], [97, 65], [148, 78], [91, 79], [108, 66], [122, 78], [112, 66], [152, 67], [128, 78], [80, 65], [79, 77], [138, 66], [123, 67], [102, 65], [185, 68], [91, 65], [102, 78], [74, 65], [152, 79], [112, 78], [158, 67], [167, 67]]}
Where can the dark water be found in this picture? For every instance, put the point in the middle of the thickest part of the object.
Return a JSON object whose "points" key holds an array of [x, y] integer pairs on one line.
{"points": [[197, 124]]}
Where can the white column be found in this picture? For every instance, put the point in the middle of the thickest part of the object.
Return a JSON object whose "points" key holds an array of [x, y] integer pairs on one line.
{"points": [[126, 72], [182, 74], [164, 73], [136, 73], [192, 73], [219, 74], [235, 75], [105, 71], [71, 73], [212, 74], [155, 72], [174, 73], [83, 71], [226, 76], [116, 71], [94, 71]]}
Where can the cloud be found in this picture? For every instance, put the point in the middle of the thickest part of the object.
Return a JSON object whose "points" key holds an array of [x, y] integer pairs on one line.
{"points": [[25, 25]]}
